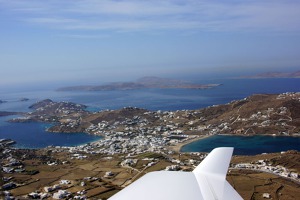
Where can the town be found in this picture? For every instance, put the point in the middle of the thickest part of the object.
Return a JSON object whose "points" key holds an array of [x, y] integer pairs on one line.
{"points": [[89, 172], [137, 141]]}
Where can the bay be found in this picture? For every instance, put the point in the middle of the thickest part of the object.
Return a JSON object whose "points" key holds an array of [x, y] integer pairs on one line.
{"points": [[245, 145], [155, 99], [151, 99], [33, 135]]}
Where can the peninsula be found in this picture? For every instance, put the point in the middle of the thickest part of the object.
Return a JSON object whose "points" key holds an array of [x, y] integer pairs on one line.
{"points": [[142, 83], [137, 141], [276, 114]]}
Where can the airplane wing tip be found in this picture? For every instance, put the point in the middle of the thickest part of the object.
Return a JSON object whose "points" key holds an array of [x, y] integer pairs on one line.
{"points": [[207, 180], [217, 161]]}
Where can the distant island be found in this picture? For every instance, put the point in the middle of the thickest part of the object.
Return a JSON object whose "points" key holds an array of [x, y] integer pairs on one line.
{"points": [[2, 101], [6, 113], [137, 141], [24, 99], [271, 114], [142, 83], [275, 75]]}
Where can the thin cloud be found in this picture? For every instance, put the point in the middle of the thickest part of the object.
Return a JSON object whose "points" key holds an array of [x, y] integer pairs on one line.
{"points": [[139, 15], [52, 20], [130, 8], [84, 36]]}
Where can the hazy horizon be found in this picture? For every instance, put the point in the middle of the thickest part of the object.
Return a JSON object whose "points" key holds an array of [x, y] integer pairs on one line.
{"points": [[63, 42]]}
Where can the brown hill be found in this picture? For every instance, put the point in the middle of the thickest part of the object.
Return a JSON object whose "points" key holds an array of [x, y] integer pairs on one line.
{"points": [[257, 114]]}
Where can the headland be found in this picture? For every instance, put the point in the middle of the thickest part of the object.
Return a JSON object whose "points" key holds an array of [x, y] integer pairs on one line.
{"points": [[137, 141]]}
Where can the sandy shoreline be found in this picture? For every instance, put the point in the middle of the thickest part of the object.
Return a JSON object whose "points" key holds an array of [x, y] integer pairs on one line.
{"points": [[178, 146]]}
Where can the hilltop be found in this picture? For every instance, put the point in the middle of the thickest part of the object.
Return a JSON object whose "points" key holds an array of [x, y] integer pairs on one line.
{"points": [[257, 114], [277, 114], [137, 141], [142, 83]]}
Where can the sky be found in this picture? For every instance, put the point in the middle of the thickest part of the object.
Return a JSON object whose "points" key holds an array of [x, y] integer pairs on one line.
{"points": [[95, 41]]}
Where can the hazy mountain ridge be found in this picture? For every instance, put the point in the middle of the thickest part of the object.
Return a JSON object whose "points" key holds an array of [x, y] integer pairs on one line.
{"points": [[275, 75], [142, 83]]}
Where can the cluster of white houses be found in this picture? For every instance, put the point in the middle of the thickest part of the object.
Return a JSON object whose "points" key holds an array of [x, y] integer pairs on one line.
{"points": [[292, 95], [136, 135], [263, 165]]}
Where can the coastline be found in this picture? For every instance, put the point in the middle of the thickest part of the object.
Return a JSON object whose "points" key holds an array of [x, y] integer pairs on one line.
{"points": [[261, 143], [67, 118], [178, 146]]}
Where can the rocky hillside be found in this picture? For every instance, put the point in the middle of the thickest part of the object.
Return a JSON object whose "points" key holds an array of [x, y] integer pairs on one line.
{"points": [[257, 114]]}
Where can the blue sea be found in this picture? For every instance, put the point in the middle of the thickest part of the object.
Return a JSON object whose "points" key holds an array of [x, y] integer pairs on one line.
{"points": [[245, 145], [33, 135], [151, 99]]}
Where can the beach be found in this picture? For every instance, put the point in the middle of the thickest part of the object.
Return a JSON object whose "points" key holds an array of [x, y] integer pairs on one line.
{"points": [[178, 146]]}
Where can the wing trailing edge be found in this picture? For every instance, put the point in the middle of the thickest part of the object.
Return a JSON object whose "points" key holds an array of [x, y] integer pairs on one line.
{"points": [[216, 162], [211, 175], [206, 182]]}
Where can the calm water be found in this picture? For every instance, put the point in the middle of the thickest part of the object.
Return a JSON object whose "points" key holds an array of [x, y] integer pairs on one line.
{"points": [[33, 135], [156, 99], [152, 99], [245, 145]]}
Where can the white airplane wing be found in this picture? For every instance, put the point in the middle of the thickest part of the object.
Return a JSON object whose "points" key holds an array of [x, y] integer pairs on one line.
{"points": [[206, 182]]}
